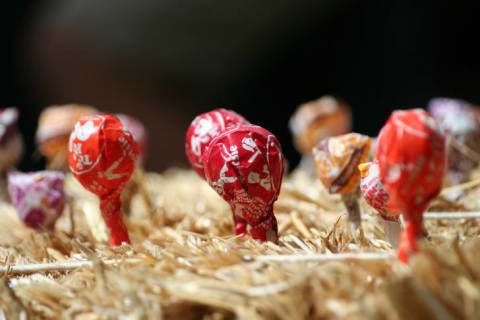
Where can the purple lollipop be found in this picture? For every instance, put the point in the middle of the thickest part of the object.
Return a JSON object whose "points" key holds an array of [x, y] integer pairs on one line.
{"points": [[462, 126], [38, 197]]}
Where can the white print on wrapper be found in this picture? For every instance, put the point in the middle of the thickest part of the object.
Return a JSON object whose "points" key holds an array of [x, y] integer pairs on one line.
{"points": [[83, 163], [204, 130], [232, 155], [218, 185]]}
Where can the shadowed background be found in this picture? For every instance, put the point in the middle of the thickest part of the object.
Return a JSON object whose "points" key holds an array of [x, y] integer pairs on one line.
{"points": [[166, 61]]}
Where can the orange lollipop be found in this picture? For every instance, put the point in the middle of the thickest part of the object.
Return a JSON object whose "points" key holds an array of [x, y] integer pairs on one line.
{"points": [[54, 127], [317, 120], [337, 159]]}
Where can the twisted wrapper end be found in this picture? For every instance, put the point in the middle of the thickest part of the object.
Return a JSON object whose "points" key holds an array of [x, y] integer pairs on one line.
{"points": [[110, 207], [266, 230], [409, 237]]}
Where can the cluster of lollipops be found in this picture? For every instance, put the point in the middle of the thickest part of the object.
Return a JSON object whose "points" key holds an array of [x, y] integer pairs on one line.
{"points": [[100, 150], [243, 163], [398, 173], [407, 166]]}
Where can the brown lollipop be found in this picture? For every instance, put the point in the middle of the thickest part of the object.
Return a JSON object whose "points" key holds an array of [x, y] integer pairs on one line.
{"points": [[337, 160], [317, 120], [54, 127]]}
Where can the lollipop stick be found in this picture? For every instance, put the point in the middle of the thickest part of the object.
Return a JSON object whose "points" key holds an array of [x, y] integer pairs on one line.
{"points": [[392, 231], [71, 216], [350, 200]]}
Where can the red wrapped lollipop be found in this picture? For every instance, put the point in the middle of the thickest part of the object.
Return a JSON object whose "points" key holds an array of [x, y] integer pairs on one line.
{"points": [[245, 166], [411, 155], [377, 197], [102, 155], [203, 129]]}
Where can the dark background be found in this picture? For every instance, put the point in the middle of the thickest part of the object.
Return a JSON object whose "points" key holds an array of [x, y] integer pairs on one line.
{"points": [[166, 61]]}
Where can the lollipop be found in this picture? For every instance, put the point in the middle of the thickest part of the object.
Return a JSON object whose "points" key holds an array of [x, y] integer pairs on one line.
{"points": [[245, 166], [139, 133], [316, 120], [11, 143], [137, 183], [337, 159], [54, 127], [203, 129], [377, 197], [38, 197], [411, 157], [102, 155], [462, 126]]}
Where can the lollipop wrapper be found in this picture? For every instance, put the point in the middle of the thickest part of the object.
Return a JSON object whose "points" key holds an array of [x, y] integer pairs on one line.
{"points": [[245, 166], [337, 159], [139, 134], [317, 120], [409, 238], [102, 156], [461, 123], [38, 197], [54, 127], [411, 156], [374, 192], [202, 131]]}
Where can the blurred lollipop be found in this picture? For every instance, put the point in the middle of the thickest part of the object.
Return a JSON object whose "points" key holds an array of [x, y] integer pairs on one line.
{"points": [[11, 143], [377, 197], [54, 127], [203, 129], [137, 183], [38, 197], [139, 133], [316, 120], [337, 160], [411, 157], [245, 166], [462, 127], [102, 156]]}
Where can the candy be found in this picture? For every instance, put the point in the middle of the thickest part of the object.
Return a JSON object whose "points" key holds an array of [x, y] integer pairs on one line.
{"points": [[411, 156], [54, 127], [203, 129], [102, 156], [377, 197], [316, 120], [38, 197], [11, 143], [139, 133], [245, 166], [337, 159], [462, 126]]}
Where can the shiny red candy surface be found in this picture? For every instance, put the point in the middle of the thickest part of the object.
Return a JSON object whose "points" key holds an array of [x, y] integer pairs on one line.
{"points": [[203, 129], [245, 166], [412, 159], [102, 155], [411, 155]]}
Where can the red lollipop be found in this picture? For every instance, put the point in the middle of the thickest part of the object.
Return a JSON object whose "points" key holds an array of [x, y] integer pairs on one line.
{"points": [[203, 129], [245, 166], [102, 155], [411, 155]]}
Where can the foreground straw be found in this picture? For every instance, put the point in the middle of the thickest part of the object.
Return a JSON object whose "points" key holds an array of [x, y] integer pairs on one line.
{"points": [[58, 266]]}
